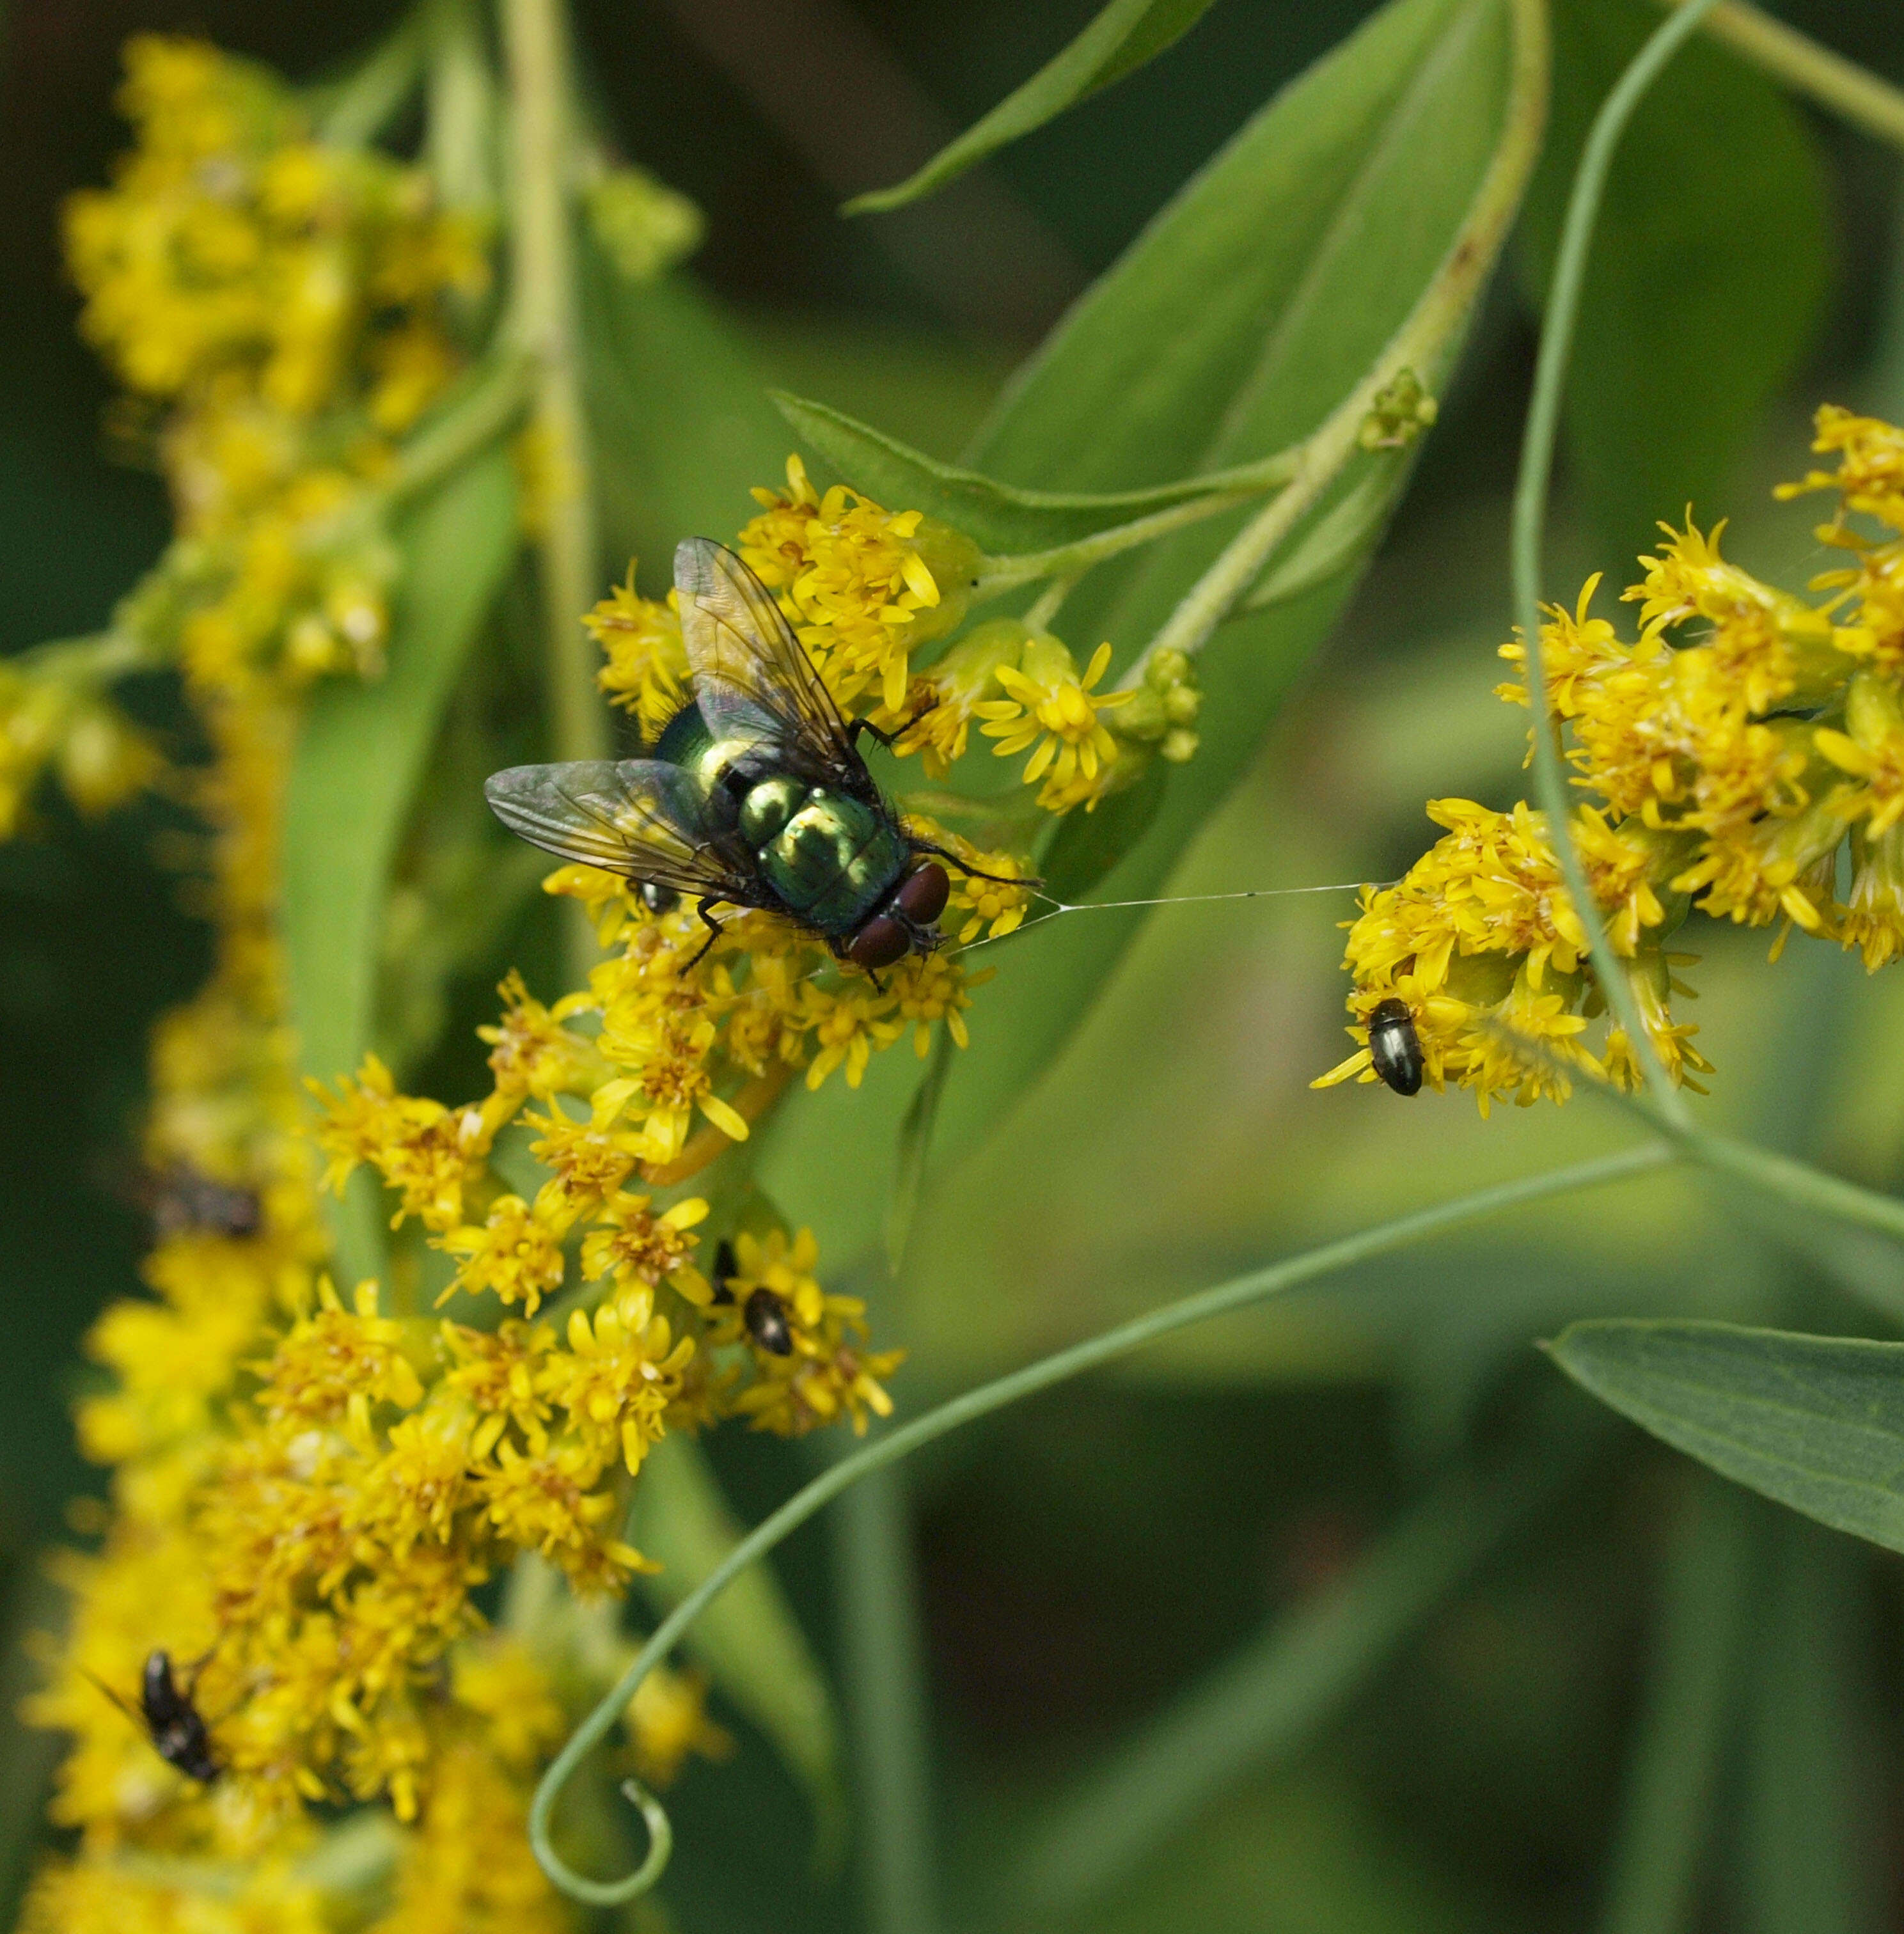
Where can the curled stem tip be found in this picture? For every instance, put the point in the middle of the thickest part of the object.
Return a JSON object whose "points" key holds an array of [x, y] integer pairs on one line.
{"points": [[1062, 1365]]}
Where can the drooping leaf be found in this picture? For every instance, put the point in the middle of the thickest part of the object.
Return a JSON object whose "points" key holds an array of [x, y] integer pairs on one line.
{"points": [[1710, 263], [1814, 1422], [1120, 39], [748, 1639], [1243, 315], [1001, 519], [360, 753]]}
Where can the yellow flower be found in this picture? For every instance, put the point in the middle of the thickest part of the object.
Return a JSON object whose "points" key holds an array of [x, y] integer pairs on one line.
{"points": [[864, 586], [636, 1247], [549, 1502], [516, 1254], [848, 1023], [1871, 751], [646, 672], [928, 987], [466, 1868], [939, 707], [421, 1148], [1048, 706], [619, 1375], [328, 1361]]}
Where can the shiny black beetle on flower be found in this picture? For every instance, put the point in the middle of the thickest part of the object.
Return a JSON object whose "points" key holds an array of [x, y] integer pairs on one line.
{"points": [[756, 795], [171, 1719]]}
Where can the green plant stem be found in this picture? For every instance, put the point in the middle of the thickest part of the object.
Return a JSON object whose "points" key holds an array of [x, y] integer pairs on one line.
{"points": [[884, 1672], [1239, 1293], [1853, 93], [492, 405], [1424, 344], [355, 111], [1550, 786], [998, 575], [545, 321]]}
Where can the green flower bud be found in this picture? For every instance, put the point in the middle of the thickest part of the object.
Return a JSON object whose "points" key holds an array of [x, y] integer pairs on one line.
{"points": [[644, 226], [953, 559]]}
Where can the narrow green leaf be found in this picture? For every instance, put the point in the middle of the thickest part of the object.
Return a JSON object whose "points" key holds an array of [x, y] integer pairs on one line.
{"points": [[1245, 313], [1001, 519], [359, 754], [1278, 1692], [748, 1639], [1718, 195], [1666, 1814], [1808, 1861], [1814, 1422], [1122, 38], [915, 1145]]}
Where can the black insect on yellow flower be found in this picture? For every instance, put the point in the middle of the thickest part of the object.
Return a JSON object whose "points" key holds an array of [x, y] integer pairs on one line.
{"points": [[1394, 1047], [756, 795], [766, 1317], [171, 1720]]}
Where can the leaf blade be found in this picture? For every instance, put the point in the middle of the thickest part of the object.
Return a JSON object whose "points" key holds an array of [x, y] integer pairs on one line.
{"points": [[1001, 519], [1119, 40], [1815, 1423], [361, 752]]}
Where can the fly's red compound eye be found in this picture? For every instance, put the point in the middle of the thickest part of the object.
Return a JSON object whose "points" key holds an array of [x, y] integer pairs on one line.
{"points": [[879, 944], [921, 897]]}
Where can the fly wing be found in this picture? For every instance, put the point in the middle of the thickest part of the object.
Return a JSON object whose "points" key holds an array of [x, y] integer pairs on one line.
{"points": [[638, 817], [752, 677]]}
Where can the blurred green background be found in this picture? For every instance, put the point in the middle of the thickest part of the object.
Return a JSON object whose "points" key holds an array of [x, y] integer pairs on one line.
{"points": [[1085, 1561]]}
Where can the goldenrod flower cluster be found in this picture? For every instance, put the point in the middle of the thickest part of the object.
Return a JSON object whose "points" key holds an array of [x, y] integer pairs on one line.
{"points": [[317, 1486], [1743, 754], [280, 309], [307, 1487]]}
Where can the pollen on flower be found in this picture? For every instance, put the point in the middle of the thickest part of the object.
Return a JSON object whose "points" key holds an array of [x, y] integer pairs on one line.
{"points": [[864, 586], [1736, 751]]}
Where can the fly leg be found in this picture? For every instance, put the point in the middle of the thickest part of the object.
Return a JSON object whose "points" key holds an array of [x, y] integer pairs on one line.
{"points": [[860, 725], [966, 868], [715, 929]]}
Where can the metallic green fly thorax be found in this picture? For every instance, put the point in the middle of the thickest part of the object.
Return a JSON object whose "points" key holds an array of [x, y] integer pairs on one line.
{"points": [[835, 860], [831, 858]]}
